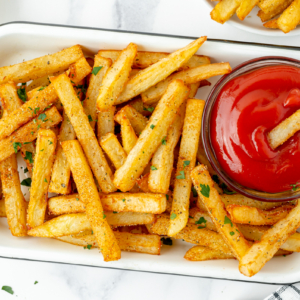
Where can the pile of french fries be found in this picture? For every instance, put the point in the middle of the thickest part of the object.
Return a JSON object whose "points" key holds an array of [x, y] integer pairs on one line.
{"points": [[117, 138], [275, 14]]}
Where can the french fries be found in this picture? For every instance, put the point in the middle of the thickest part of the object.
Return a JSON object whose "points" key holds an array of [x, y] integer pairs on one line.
{"points": [[261, 252], [283, 131], [158, 71], [61, 172], [216, 208], [84, 132], [197, 216], [274, 10], [113, 149], [115, 78], [41, 66], [89, 195], [186, 162], [224, 10], [43, 162], [245, 8], [101, 65], [105, 123], [66, 204], [28, 133], [150, 138], [188, 77], [145, 59], [255, 216]]}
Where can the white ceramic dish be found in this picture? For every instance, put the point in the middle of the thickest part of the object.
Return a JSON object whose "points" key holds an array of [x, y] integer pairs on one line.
{"points": [[252, 23], [23, 41]]}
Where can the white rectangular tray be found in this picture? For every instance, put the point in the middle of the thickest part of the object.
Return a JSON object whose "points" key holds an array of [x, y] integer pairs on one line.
{"points": [[22, 41]]}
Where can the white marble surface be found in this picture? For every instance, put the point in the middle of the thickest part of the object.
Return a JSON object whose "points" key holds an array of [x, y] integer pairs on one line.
{"points": [[57, 281]]}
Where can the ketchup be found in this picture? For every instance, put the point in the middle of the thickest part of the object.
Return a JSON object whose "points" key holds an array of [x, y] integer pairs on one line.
{"points": [[247, 108]]}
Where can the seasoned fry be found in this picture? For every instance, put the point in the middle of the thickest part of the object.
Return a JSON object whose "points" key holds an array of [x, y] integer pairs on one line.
{"points": [[251, 215], [43, 162], [290, 18], [277, 8], [202, 218], [188, 77], [61, 172], [216, 208], [261, 252], [10, 102], [41, 66], [224, 10], [36, 106], [87, 189], [186, 162], [150, 138], [283, 131], [101, 65], [28, 133], [84, 132], [113, 149], [136, 202], [37, 83], [145, 59], [105, 122], [158, 71], [267, 5], [245, 8], [116, 77]]}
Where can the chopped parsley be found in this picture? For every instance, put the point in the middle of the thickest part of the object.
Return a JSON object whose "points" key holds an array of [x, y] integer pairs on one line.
{"points": [[201, 221], [167, 241], [88, 247], [36, 282], [194, 192], [153, 168], [294, 187], [16, 145], [173, 216], [231, 233], [227, 221], [25, 170], [28, 156], [152, 126], [205, 190], [186, 163], [50, 142], [164, 140], [90, 118], [104, 215], [181, 176], [150, 109], [22, 94], [96, 70], [45, 180], [41, 88], [167, 196], [36, 110], [123, 200], [26, 182], [8, 289], [226, 190], [42, 117]]}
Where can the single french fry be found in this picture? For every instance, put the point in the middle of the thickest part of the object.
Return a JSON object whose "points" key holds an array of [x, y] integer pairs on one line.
{"points": [[188, 77], [145, 59], [87, 189], [84, 132], [43, 162], [101, 65], [113, 149], [290, 18], [116, 77], [67, 204], [163, 159], [137, 120], [201, 218], [61, 171], [261, 252], [245, 8], [10, 102], [41, 66], [283, 131], [36, 106], [204, 186], [135, 202], [158, 71], [224, 10], [149, 140], [275, 9], [105, 123], [186, 162], [28, 133], [128, 135]]}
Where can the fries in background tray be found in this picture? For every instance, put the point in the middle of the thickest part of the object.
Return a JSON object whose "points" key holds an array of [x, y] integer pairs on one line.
{"points": [[278, 14]]}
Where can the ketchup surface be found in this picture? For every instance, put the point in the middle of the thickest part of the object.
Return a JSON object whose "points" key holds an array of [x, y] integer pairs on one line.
{"points": [[247, 108]]}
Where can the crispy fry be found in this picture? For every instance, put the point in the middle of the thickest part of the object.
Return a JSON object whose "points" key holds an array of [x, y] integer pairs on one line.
{"points": [[262, 251], [245, 8], [186, 162], [41, 66], [35, 106], [43, 161], [290, 18], [105, 122], [188, 77], [277, 8], [150, 138], [271, 24], [113, 149], [28, 133], [159, 71], [61, 172], [116, 77], [87, 189], [224, 10], [216, 208], [268, 5], [101, 65], [145, 59], [37, 83], [251, 215], [283, 131], [84, 132]]}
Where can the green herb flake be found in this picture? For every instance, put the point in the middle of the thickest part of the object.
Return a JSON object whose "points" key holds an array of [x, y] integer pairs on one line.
{"points": [[36, 282], [28, 156], [181, 176], [152, 126], [205, 190], [194, 192], [26, 182], [226, 190], [45, 180], [25, 170], [90, 118], [150, 109], [123, 200], [50, 142], [7, 289], [167, 241], [231, 233], [22, 94], [16, 145], [41, 88], [89, 247], [227, 221], [294, 187], [36, 110], [201, 221], [42, 117], [96, 70], [186, 163], [104, 215], [173, 216], [164, 140], [153, 168]]}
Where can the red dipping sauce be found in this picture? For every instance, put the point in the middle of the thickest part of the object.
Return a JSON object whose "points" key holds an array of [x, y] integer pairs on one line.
{"points": [[247, 108]]}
